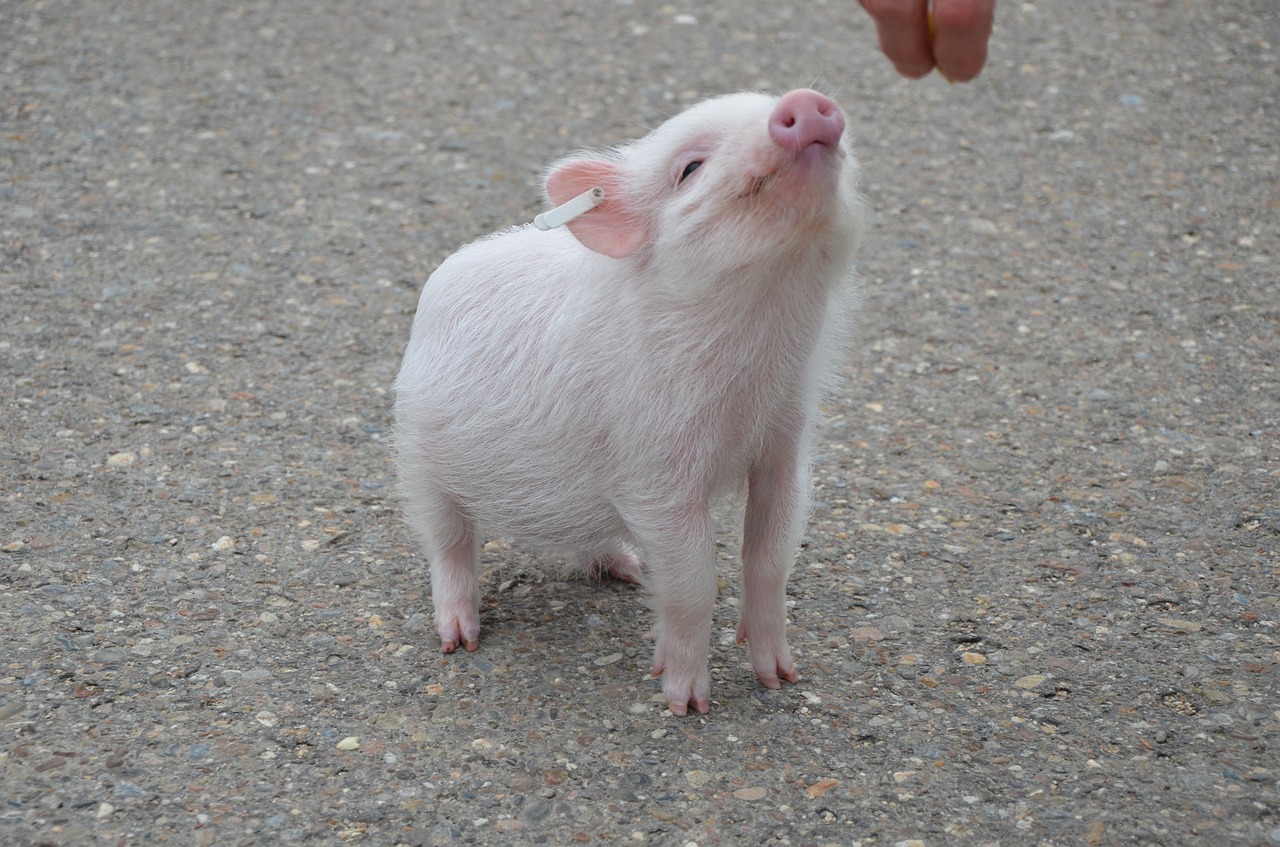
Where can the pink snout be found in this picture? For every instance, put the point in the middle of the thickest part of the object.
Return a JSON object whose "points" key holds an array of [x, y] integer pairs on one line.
{"points": [[804, 117]]}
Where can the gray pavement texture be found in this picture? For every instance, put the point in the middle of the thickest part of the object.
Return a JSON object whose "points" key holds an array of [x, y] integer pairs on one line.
{"points": [[1037, 602]]}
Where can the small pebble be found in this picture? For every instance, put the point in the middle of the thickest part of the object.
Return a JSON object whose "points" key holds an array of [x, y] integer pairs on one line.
{"points": [[821, 787], [349, 743], [697, 778], [863, 634], [121, 460], [389, 720]]}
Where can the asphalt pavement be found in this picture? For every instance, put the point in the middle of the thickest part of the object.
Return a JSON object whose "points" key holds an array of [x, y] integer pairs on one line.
{"points": [[1038, 599]]}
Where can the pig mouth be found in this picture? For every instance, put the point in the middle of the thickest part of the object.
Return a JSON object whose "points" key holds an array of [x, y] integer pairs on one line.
{"points": [[805, 162]]}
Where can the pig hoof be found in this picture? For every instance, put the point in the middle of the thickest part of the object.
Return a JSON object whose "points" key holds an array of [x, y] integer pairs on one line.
{"points": [[457, 633], [770, 659], [773, 678], [773, 667], [680, 701], [682, 692]]}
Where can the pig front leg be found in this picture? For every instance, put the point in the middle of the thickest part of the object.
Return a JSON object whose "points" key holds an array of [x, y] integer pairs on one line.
{"points": [[453, 551], [777, 505], [680, 569]]}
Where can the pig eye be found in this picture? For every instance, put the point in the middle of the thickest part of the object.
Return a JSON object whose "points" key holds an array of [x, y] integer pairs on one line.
{"points": [[689, 169]]}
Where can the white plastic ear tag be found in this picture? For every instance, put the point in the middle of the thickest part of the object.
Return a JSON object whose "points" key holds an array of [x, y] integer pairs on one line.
{"points": [[565, 212]]}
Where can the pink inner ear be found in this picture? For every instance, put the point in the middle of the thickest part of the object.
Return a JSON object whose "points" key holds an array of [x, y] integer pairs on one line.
{"points": [[612, 228]]}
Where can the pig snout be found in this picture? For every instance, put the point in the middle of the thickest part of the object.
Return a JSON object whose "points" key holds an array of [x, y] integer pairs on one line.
{"points": [[803, 118]]}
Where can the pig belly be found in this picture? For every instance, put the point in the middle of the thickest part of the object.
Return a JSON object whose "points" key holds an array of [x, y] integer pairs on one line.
{"points": [[510, 489]]}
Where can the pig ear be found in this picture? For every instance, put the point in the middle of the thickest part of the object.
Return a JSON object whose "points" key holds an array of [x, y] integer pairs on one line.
{"points": [[612, 228]]}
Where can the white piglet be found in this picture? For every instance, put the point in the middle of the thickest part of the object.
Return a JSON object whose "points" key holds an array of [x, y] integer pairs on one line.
{"points": [[594, 388]]}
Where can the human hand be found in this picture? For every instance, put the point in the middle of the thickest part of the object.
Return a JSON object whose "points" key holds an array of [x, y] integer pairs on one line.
{"points": [[951, 37]]}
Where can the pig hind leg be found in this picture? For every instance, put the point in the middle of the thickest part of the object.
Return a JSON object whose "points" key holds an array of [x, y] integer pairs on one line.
{"points": [[451, 544], [619, 562]]}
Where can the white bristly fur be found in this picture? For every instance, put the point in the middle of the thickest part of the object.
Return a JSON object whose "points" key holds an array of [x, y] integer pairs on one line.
{"points": [[572, 400]]}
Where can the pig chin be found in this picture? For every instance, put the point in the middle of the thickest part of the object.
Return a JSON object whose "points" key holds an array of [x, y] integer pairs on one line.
{"points": [[801, 189]]}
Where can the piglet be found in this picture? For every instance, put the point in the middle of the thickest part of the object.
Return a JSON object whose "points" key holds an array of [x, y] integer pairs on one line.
{"points": [[594, 388]]}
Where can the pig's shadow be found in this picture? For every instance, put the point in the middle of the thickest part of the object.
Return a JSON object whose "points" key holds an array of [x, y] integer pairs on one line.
{"points": [[559, 607]]}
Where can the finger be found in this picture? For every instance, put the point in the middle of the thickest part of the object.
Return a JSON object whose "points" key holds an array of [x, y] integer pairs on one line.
{"points": [[963, 28], [904, 34]]}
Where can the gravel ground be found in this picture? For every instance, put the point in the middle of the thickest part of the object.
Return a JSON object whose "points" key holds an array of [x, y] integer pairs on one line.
{"points": [[1038, 599]]}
